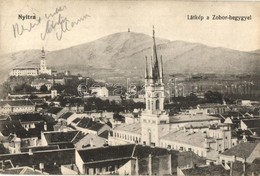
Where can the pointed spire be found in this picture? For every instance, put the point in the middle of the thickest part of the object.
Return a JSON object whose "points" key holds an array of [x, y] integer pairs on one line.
{"points": [[151, 69], [146, 68], [161, 68], [156, 73]]}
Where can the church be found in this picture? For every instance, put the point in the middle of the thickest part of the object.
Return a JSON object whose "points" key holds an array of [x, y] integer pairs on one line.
{"points": [[33, 71], [203, 134]]}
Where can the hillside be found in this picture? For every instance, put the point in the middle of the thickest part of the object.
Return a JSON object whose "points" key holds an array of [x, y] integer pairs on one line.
{"points": [[122, 54]]}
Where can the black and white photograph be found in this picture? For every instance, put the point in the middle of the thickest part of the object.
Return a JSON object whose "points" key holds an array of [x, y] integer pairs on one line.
{"points": [[132, 87]]}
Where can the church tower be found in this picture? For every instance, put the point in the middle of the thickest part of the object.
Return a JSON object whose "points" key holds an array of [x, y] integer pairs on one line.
{"points": [[154, 121], [43, 67]]}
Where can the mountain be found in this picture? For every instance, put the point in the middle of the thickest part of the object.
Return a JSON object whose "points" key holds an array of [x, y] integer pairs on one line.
{"points": [[123, 54], [256, 51]]}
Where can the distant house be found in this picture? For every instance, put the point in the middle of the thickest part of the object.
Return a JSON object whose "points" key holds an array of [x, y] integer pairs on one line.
{"points": [[209, 109], [75, 108], [87, 125], [29, 121], [99, 91], [47, 161], [90, 140], [64, 139], [64, 117], [131, 160], [243, 152], [40, 82], [56, 112], [17, 106]]}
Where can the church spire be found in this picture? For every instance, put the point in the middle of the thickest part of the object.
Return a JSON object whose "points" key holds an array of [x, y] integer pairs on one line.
{"points": [[153, 69], [156, 71], [146, 76]]}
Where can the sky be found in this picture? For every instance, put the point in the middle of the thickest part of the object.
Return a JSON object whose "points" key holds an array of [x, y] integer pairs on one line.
{"points": [[107, 17]]}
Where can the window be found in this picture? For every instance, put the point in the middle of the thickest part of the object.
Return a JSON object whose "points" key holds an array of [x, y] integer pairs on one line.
{"points": [[157, 103]]}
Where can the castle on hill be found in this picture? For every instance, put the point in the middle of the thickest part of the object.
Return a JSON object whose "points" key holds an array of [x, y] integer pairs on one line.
{"points": [[33, 71]]}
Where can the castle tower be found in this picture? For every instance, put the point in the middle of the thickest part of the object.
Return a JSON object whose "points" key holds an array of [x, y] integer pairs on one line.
{"points": [[154, 121], [43, 67]]}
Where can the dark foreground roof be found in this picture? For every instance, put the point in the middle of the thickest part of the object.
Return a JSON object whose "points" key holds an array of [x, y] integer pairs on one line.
{"points": [[242, 150], [62, 156]]}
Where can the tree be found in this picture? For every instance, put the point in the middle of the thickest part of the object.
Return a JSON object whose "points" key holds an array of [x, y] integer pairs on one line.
{"points": [[23, 88], [213, 97], [43, 88], [5, 89]]}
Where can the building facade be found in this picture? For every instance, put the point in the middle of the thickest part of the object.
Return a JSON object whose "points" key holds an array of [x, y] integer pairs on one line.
{"points": [[32, 71]]}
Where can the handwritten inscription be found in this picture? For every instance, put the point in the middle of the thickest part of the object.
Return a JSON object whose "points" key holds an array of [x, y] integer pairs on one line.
{"points": [[58, 25], [20, 29], [61, 26]]}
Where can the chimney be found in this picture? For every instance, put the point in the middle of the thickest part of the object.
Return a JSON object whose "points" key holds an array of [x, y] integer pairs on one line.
{"points": [[231, 169], [170, 164], [150, 164], [41, 166], [244, 166], [30, 152], [45, 126], [91, 142], [136, 166]]}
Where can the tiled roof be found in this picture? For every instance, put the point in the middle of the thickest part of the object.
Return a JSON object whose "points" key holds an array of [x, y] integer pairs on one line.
{"points": [[252, 123], [16, 103], [54, 110], [85, 141], [88, 123], [66, 115], [106, 153], [60, 136], [104, 134], [37, 101], [40, 148], [119, 152], [250, 168], [144, 151], [76, 120], [216, 170], [192, 118], [242, 150], [194, 139], [32, 132], [132, 128], [85, 123], [8, 127], [61, 156], [27, 117], [96, 126], [23, 171], [185, 158]]}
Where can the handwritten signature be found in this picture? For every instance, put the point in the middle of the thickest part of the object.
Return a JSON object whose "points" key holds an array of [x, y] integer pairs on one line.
{"points": [[18, 30], [60, 26]]}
